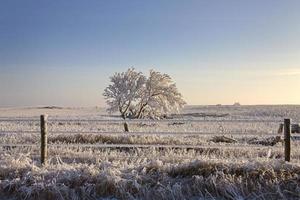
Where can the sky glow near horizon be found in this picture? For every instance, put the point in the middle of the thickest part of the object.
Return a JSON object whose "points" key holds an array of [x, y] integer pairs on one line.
{"points": [[218, 52]]}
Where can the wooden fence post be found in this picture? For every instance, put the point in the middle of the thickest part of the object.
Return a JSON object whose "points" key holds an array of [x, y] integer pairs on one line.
{"points": [[126, 127], [44, 133], [287, 140]]}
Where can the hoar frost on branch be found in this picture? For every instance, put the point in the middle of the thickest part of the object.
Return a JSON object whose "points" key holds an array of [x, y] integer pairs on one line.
{"points": [[126, 87], [137, 96]]}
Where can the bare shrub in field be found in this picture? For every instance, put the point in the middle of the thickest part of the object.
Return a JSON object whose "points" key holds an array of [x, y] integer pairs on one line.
{"points": [[223, 138], [270, 141]]}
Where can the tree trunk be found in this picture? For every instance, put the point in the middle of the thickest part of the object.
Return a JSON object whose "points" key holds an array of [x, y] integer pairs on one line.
{"points": [[123, 116], [141, 111]]}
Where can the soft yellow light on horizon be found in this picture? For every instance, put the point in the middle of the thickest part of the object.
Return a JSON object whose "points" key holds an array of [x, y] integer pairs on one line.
{"points": [[280, 87]]}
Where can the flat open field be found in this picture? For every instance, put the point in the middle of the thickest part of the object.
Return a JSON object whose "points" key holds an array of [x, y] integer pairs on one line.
{"points": [[178, 158]]}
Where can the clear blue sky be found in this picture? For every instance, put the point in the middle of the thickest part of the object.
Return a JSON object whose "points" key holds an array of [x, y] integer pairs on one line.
{"points": [[62, 52]]}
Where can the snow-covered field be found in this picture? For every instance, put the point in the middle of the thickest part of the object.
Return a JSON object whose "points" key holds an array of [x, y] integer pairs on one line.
{"points": [[240, 170]]}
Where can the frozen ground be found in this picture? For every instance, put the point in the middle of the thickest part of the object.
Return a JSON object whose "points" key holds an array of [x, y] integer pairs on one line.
{"points": [[215, 171], [235, 112]]}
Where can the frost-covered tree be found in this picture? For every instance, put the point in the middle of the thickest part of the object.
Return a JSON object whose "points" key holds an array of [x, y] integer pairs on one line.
{"points": [[137, 96], [160, 96], [124, 90]]}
